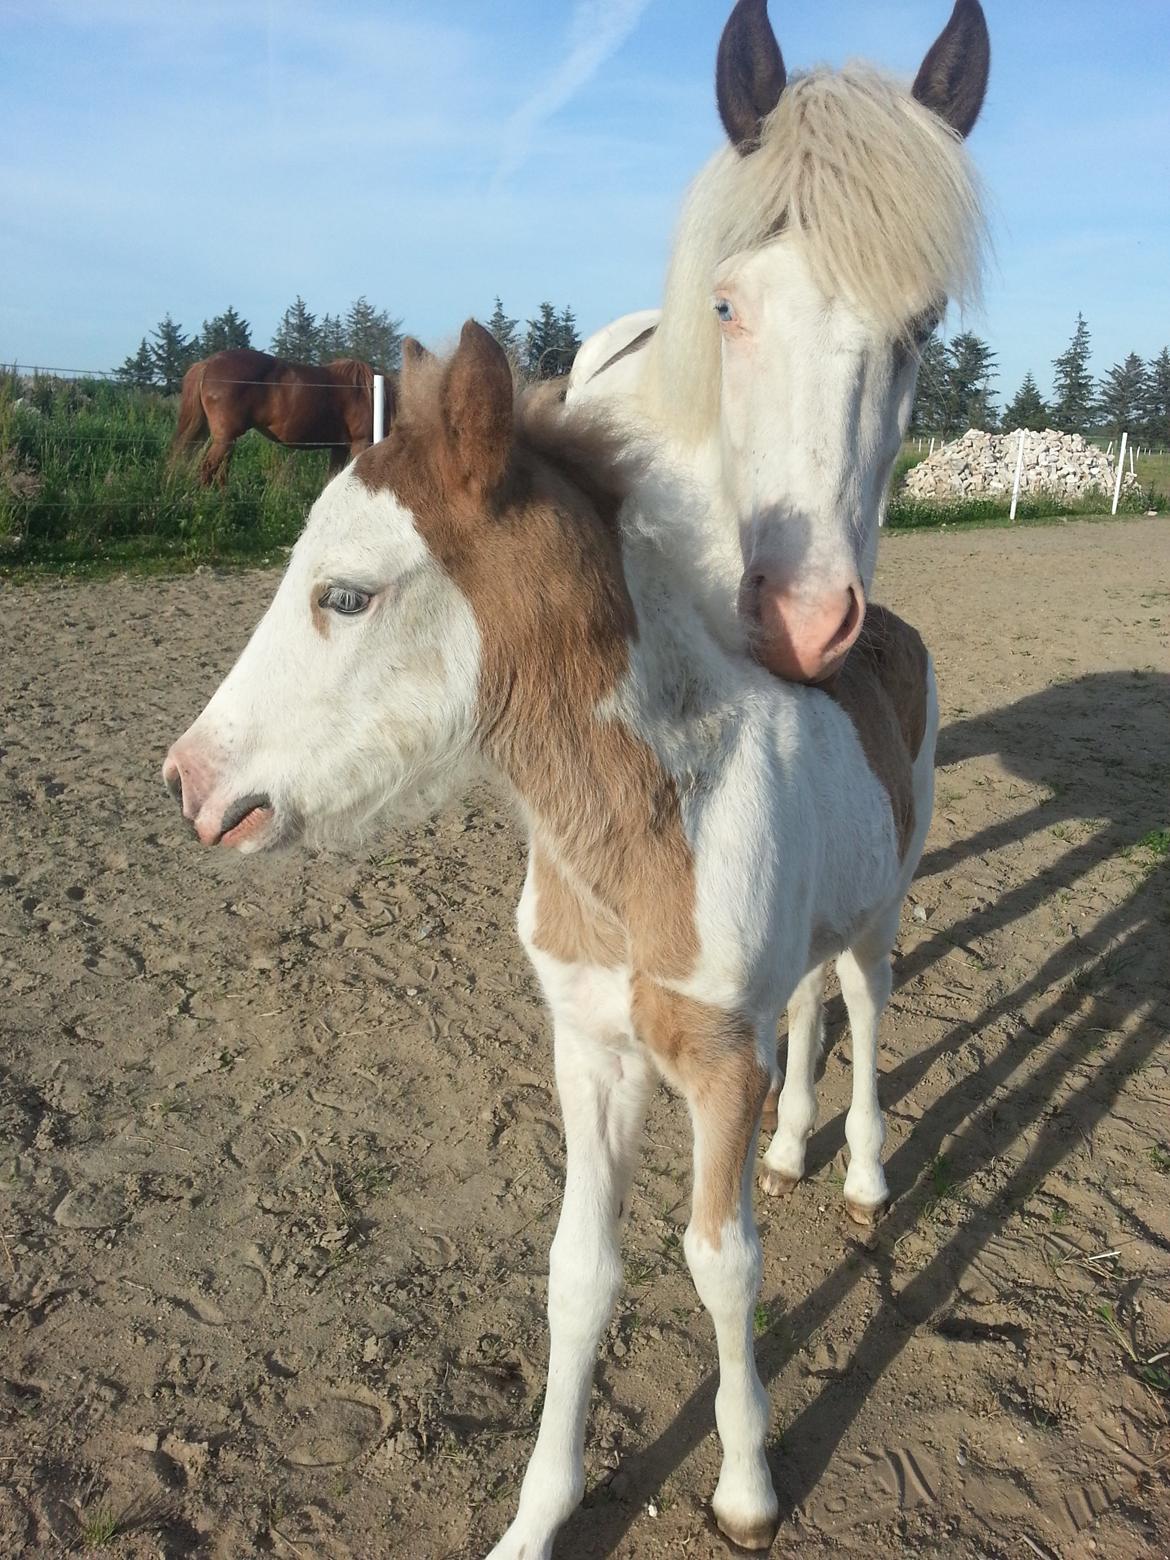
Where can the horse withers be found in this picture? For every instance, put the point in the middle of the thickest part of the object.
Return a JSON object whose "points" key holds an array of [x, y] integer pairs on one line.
{"points": [[479, 588], [305, 405]]}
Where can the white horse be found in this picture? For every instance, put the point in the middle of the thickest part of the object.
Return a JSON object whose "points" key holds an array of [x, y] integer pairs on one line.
{"points": [[815, 253], [496, 587]]}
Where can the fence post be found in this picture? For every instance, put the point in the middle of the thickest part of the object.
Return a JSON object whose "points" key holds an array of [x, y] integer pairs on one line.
{"points": [[379, 408], [931, 452], [1019, 472], [1120, 471], [1131, 470]]}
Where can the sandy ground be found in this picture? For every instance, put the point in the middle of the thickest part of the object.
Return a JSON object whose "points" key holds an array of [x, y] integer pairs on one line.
{"points": [[280, 1157]]}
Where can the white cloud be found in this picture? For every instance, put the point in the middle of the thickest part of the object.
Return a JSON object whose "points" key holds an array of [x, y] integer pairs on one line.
{"points": [[597, 30]]}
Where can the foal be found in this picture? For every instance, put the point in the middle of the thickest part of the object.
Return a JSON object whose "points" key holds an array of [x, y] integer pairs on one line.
{"points": [[703, 835]]}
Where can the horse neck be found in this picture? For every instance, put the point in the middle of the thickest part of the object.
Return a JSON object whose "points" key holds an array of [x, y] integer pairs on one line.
{"points": [[585, 708], [683, 491]]}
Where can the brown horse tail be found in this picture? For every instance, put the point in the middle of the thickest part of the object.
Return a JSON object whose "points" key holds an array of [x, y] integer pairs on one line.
{"points": [[193, 427]]}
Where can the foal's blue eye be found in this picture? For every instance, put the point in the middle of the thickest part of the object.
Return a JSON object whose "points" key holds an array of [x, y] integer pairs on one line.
{"points": [[344, 599], [724, 310]]}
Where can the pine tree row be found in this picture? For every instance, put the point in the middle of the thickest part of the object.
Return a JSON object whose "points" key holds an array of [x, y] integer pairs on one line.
{"points": [[955, 392], [367, 333]]}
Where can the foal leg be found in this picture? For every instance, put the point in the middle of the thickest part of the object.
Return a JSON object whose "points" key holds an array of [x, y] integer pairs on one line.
{"points": [[604, 1081], [714, 1057], [866, 980], [796, 1113]]}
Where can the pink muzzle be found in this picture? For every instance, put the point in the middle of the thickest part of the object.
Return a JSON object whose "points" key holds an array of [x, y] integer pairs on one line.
{"points": [[801, 638], [217, 819]]}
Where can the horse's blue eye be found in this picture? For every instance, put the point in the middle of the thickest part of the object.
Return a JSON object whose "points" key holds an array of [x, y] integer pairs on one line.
{"points": [[344, 599], [724, 310]]}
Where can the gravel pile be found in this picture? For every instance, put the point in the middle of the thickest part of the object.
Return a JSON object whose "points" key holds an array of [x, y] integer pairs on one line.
{"points": [[983, 465]]}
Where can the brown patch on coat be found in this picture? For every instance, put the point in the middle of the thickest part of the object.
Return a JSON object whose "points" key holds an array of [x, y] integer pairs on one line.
{"points": [[521, 511], [712, 1056], [882, 688], [566, 928], [318, 613]]}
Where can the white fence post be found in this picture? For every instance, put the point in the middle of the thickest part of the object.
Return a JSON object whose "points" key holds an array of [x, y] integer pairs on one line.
{"points": [[1109, 450], [1131, 470], [931, 448], [379, 408], [1019, 472], [1120, 471]]}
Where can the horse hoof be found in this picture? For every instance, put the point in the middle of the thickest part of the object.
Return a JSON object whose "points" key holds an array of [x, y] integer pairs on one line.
{"points": [[866, 1216], [749, 1535], [773, 1183]]}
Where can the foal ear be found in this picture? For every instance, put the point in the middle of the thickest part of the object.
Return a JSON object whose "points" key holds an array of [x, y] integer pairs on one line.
{"points": [[953, 78], [414, 355], [749, 74], [476, 402]]}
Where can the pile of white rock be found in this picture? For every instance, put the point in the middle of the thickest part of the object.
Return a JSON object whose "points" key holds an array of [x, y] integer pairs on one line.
{"points": [[983, 465]]}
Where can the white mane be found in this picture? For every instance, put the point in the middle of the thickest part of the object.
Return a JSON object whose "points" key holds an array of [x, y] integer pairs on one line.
{"points": [[877, 190]]}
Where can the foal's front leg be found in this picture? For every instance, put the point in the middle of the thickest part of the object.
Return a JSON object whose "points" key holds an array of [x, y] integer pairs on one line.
{"points": [[604, 1080], [718, 1063]]}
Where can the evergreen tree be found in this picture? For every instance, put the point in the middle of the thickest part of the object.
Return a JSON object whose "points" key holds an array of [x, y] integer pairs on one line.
{"points": [[930, 401], [1072, 385], [1026, 409], [171, 355], [138, 370], [569, 341], [1155, 419], [372, 335], [970, 370], [503, 328], [295, 337], [542, 344], [331, 339], [1122, 397], [225, 331]]}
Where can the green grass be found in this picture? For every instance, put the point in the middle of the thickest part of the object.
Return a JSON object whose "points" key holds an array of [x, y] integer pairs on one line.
{"points": [[85, 489]]}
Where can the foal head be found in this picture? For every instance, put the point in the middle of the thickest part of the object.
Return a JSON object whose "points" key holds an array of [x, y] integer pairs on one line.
{"points": [[816, 254], [457, 580]]}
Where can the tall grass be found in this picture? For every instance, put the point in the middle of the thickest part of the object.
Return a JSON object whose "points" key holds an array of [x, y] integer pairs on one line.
{"points": [[85, 483], [85, 487]]}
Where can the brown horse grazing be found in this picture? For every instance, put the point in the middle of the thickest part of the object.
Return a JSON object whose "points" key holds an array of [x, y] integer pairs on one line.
{"points": [[305, 405]]}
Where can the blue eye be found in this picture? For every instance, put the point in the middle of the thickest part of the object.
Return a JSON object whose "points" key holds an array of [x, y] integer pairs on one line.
{"points": [[725, 311], [344, 599]]}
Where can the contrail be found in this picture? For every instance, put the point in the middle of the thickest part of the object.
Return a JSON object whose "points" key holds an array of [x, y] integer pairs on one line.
{"points": [[597, 29]]}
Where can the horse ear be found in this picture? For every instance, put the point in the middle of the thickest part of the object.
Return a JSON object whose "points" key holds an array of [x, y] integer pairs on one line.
{"points": [[414, 354], [749, 74], [953, 78], [476, 401]]}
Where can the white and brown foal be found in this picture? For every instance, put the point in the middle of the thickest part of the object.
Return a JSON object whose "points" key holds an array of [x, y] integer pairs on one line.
{"points": [[472, 591]]}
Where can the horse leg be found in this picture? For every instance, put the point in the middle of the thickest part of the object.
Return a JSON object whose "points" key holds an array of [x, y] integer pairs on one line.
{"points": [[796, 1113], [866, 975], [604, 1080], [716, 1060], [866, 980], [338, 458], [216, 462]]}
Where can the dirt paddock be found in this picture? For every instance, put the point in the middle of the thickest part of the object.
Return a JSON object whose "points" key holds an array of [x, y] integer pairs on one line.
{"points": [[280, 1158]]}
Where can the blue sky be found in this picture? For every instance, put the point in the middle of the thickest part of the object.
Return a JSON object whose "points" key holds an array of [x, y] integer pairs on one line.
{"points": [[182, 155]]}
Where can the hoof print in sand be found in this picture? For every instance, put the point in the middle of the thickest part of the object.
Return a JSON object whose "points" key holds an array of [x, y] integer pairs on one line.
{"points": [[91, 1207], [333, 1428]]}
